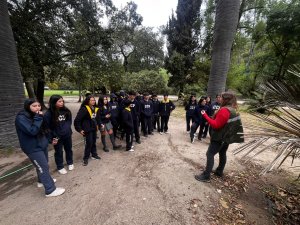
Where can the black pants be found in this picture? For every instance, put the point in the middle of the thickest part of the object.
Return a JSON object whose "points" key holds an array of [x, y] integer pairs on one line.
{"points": [[40, 161], [188, 122], [194, 128], [156, 122], [164, 123], [213, 149], [136, 130], [66, 144], [205, 130], [147, 125], [129, 138], [115, 123], [90, 144], [201, 129]]}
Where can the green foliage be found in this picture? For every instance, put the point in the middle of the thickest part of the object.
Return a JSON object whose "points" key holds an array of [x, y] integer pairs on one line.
{"points": [[182, 34], [145, 81], [53, 86]]}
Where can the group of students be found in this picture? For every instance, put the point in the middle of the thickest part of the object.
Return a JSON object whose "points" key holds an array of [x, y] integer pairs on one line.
{"points": [[193, 113], [118, 115], [36, 130]]}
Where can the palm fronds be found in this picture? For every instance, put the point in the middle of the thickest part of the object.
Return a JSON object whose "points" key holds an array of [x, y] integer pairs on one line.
{"points": [[281, 129]]}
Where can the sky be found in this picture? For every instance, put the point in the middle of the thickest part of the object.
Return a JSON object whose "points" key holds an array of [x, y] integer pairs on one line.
{"points": [[154, 12]]}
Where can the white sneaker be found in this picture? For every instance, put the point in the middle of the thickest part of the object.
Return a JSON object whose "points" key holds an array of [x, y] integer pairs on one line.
{"points": [[131, 150], [58, 191], [71, 167], [195, 134], [39, 185], [188, 132], [63, 171], [161, 133], [166, 132], [193, 140], [132, 146]]}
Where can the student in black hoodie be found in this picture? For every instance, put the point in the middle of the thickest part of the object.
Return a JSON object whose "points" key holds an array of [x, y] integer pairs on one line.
{"points": [[146, 114], [59, 119], [32, 134], [105, 115], [128, 125], [166, 106], [190, 112], [114, 112], [135, 112], [155, 116], [199, 120], [86, 123]]}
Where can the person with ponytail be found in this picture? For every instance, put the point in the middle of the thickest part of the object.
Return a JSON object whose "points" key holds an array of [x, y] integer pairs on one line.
{"points": [[32, 133], [226, 129], [59, 120]]}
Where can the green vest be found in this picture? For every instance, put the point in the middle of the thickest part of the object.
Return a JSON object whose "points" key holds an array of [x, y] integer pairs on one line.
{"points": [[232, 132]]}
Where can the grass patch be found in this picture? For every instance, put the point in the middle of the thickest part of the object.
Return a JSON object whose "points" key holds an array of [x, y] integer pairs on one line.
{"points": [[48, 93]]}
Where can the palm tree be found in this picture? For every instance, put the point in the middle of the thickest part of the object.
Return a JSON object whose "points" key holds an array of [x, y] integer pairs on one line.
{"points": [[281, 129], [11, 85], [227, 14]]}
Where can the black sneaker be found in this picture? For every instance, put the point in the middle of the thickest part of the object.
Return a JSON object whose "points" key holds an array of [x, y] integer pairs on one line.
{"points": [[85, 162], [96, 157], [151, 133], [202, 178], [106, 149], [116, 147], [138, 141], [217, 173]]}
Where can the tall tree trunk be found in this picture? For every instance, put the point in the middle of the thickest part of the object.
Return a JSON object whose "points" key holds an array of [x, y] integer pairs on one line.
{"points": [[227, 13], [40, 92], [29, 88], [11, 85]]}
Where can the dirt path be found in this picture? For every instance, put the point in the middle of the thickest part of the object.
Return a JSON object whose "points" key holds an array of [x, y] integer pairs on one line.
{"points": [[153, 185]]}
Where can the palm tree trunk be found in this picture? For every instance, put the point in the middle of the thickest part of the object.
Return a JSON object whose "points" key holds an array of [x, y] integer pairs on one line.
{"points": [[227, 13], [11, 85]]}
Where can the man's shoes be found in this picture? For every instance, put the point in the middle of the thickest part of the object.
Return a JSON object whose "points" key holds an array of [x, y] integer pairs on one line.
{"points": [[138, 141], [202, 178], [105, 149], [58, 191], [161, 133], [166, 132], [85, 162], [116, 147], [96, 157]]}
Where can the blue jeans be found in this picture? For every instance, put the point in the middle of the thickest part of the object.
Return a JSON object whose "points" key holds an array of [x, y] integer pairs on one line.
{"points": [[40, 161], [66, 143]]}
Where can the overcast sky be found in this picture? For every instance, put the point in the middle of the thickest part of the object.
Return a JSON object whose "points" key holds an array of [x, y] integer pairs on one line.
{"points": [[154, 12]]}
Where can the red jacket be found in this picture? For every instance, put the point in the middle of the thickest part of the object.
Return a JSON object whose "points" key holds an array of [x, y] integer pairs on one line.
{"points": [[220, 120]]}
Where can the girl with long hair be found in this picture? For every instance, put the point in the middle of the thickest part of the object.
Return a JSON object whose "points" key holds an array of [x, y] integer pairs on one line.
{"points": [[86, 123], [59, 120], [226, 129], [105, 115], [32, 133]]}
